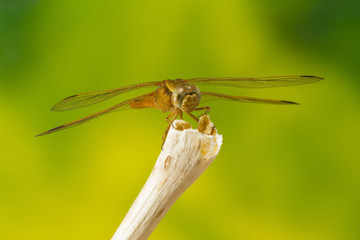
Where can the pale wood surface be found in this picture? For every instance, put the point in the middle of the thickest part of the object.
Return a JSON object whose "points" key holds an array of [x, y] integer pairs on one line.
{"points": [[185, 156]]}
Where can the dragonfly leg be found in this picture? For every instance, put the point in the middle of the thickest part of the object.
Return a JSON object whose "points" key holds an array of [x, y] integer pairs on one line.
{"points": [[192, 116], [176, 113], [203, 108], [171, 114]]}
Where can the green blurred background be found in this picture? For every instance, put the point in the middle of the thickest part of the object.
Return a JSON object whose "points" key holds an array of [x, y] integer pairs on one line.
{"points": [[284, 172]]}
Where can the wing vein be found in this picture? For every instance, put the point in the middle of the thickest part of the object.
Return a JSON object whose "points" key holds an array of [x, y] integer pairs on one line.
{"points": [[87, 99], [259, 82]]}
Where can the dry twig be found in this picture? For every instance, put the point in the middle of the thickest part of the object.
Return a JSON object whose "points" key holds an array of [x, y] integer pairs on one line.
{"points": [[186, 154]]}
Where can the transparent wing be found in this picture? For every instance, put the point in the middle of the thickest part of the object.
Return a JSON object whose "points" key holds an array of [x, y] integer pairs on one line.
{"points": [[138, 102], [257, 82], [87, 99], [208, 96]]}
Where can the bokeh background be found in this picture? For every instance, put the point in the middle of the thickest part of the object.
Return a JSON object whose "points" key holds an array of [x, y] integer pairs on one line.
{"points": [[284, 172]]}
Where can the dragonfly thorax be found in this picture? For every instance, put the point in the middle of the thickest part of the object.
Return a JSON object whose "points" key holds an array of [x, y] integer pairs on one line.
{"points": [[186, 97]]}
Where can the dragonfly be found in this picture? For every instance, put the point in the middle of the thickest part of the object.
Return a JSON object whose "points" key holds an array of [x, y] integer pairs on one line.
{"points": [[176, 96]]}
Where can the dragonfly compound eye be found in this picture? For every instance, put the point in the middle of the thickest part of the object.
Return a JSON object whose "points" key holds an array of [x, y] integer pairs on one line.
{"points": [[178, 96]]}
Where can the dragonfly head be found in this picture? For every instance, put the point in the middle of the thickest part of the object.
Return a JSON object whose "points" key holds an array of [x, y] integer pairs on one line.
{"points": [[186, 97]]}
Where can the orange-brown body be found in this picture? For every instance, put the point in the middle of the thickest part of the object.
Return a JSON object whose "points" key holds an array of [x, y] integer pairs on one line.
{"points": [[162, 97]]}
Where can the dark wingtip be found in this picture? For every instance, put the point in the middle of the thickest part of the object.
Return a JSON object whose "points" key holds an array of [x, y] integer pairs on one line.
{"points": [[43, 133], [290, 103], [56, 106], [71, 97], [313, 77], [307, 76], [49, 131]]}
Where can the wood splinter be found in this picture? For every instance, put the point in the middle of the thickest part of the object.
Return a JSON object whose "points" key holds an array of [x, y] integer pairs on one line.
{"points": [[185, 156]]}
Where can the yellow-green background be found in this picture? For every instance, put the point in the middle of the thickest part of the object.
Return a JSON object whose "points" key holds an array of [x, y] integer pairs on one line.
{"points": [[284, 172]]}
